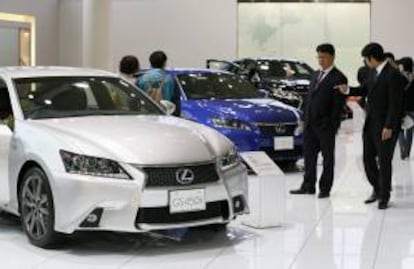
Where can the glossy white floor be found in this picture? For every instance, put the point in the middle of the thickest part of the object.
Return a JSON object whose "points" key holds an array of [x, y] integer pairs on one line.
{"points": [[340, 232]]}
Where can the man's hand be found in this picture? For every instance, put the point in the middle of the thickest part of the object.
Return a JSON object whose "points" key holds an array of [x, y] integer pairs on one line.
{"points": [[386, 134], [342, 88]]}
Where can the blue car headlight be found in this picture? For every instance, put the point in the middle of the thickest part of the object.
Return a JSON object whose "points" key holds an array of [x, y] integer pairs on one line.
{"points": [[230, 123], [92, 166], [230, 159]]}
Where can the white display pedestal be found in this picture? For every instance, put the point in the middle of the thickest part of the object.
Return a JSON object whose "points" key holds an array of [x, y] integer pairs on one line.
{"points": [[266, 192]]}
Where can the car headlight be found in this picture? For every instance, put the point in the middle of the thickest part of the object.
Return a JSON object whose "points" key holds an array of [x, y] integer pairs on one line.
{"points": [[92, 166], [300, 128], [229, 123], [230, 159]]}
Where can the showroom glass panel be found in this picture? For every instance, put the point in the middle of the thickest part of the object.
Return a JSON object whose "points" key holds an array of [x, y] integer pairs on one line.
{"points": [[57, 97], [293, 30]]}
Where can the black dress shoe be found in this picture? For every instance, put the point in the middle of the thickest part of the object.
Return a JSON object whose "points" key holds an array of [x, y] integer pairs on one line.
{"points": [[383, 204], [303, 191], [322, 195], [371, 199]]}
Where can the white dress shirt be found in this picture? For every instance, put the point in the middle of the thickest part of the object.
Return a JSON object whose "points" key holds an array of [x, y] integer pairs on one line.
{"points": [[380, 67], [326, 72]]}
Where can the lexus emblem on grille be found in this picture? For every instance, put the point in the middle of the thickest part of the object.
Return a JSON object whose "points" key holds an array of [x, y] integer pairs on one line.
{"points": [[280, 129], [184, 176]]}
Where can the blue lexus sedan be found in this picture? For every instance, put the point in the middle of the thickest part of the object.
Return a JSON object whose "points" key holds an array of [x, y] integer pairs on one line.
{"points": [[235, 108]]}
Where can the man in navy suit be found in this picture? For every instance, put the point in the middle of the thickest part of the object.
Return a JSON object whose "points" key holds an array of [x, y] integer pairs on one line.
{"points": [[322, 121], [384, 94]]}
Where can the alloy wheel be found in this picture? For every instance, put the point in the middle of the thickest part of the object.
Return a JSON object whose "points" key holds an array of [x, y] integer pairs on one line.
{"points": [[35, 207]]}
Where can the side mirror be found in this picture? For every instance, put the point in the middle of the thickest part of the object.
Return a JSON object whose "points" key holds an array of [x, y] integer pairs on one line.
{"points": [[255, 79], [169, 107]]}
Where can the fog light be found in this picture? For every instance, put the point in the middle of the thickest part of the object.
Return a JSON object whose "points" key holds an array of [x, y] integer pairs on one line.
{"points": [[93, 219], [238, 204]]}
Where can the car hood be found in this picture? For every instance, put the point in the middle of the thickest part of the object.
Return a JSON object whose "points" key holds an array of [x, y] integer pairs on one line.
{"points": [[249, 110], [143, 140]]}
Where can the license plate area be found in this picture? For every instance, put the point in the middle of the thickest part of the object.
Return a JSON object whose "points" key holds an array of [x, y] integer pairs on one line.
{"points": [[283, 143], [181, 201]]}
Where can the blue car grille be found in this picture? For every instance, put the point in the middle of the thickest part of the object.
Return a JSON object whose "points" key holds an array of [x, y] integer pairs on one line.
{"points": [[277, 129], [167, 176]]}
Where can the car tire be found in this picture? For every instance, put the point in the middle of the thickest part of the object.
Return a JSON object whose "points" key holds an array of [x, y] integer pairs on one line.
{"points": [[37, 210]]}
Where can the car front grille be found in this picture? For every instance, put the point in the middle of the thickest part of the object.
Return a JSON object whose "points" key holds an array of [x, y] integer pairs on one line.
{"points": [[277, 129], [167, 176], [162, 215]]}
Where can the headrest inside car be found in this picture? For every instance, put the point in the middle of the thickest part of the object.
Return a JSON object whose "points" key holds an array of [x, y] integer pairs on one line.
{"points": [[72, 98]]}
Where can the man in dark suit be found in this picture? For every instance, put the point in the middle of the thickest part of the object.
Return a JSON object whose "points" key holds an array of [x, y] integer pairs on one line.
{"points": [[322, 120], [384, 93]]}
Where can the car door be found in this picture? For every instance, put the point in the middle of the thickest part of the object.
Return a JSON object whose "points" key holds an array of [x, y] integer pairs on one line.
{"points": [[6, 125]]}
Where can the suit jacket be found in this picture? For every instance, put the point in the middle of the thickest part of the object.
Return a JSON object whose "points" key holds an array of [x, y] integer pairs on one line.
{"points": [[325, 104], [408, 96], [384, 95]]}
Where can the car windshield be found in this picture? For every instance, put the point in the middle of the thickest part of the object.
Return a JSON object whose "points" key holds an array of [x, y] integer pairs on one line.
{"points": [[60, 97], [216, 86], [283, 69]]}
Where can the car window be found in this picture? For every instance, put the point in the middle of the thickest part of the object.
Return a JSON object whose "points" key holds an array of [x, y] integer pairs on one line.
{"points": [[55, 97], [269, 69], [6, 111], [216, 86], [300, 69]]}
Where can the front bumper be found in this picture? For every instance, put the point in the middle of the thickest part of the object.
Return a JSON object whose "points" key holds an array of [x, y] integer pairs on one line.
{"points": [[266, 145], [128, 206]]}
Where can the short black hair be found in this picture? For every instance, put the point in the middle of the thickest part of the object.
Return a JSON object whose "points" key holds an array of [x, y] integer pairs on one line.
{"points": [[389, 55], [326, 48], [129, 64], [373, 50], [158, 59], [407, 64]]}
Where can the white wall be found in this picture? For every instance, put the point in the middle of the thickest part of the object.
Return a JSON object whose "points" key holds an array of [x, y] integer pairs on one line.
{"points": [[189, 31], [84, 28], [46, 13], [96, 34], [391, 25], [70, 29], [9, 46]]}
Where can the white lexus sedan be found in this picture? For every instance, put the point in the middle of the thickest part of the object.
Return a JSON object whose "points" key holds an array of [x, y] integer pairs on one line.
{"points": [[82, 149]]}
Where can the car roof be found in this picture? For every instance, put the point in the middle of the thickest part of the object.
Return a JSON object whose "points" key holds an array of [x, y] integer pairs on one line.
{"points": [[183, 71], [271, 58], [52, 71]]}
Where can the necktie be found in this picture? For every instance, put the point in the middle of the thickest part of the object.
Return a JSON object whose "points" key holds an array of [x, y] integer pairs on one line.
{"points": [[320, 77], [375, 75]]}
